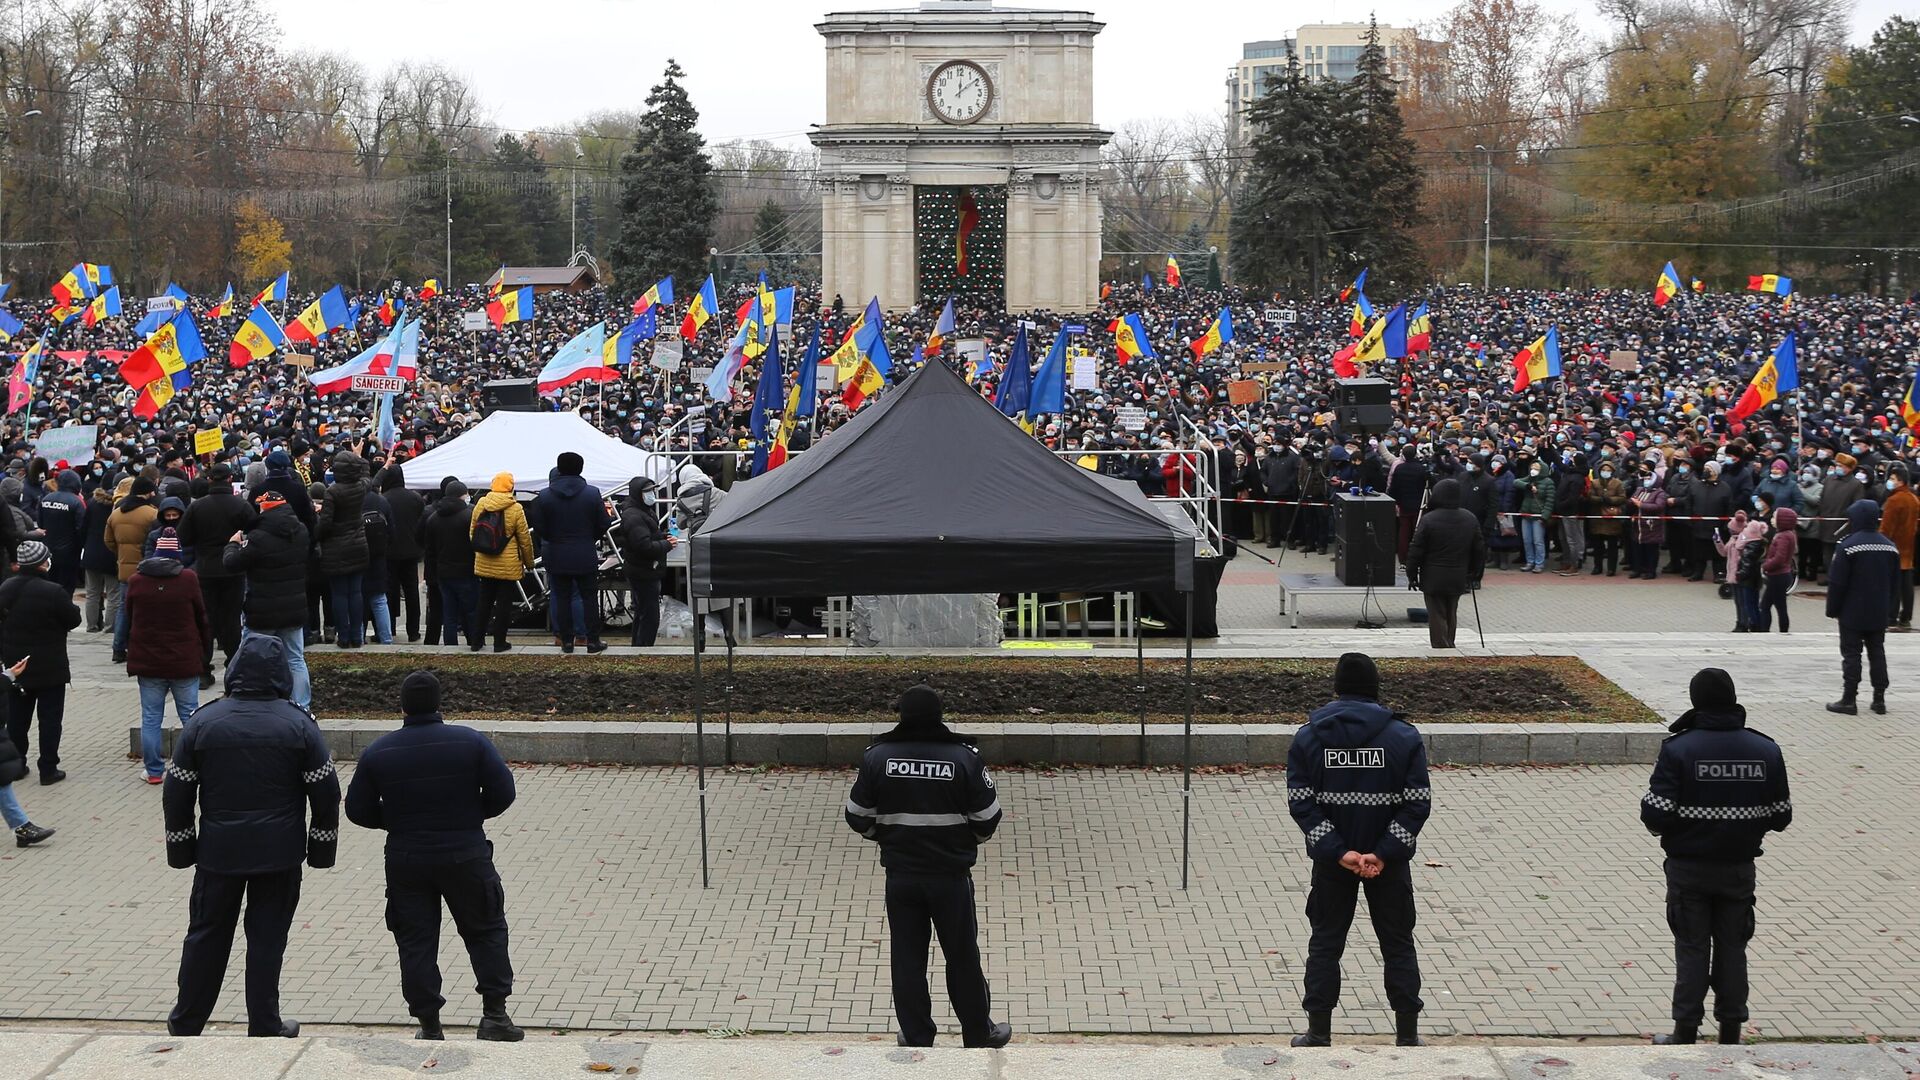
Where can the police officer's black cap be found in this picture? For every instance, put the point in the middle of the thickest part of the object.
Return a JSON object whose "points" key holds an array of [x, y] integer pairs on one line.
{"points": [[1356, 676], [1712, 688], [920, 705], [420, 694]]}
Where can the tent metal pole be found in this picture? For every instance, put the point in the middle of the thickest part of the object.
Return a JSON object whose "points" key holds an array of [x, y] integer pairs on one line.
{"points": [[700, 739], [1140, 677], [729, 694], [1186, 756]]}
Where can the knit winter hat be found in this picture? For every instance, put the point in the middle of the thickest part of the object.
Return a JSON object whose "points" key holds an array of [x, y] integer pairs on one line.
{"points": [[1711, 688], [503, 482], [143, 487], [1356, 676], [167, 544], [571, 464], [920, 705], [31, 553], [420, 693]]}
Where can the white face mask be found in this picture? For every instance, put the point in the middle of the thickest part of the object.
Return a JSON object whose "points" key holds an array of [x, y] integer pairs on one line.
{"points": [[648, 498]]}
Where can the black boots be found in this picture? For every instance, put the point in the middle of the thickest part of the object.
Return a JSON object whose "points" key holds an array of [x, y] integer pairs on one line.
{"points": [[1407, 1029], [1879, 702], [1845, 706], [495, 1024], [430, 1029], [30, 834], [1729, 1034], [288, 1029], [1683, 1035], [1319, 1030], [999, 1035]]}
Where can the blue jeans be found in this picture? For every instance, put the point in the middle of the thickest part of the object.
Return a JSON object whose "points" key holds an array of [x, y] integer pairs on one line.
{"points": [[382, 619], [349, 608], [10, 808], [153, 708], [1533, 536], [1746, 606], [458, 598], [295, 639], [120, 619]]}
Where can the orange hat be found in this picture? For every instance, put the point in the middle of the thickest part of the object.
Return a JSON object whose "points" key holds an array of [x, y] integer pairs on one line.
{"points": [[503, 482]]}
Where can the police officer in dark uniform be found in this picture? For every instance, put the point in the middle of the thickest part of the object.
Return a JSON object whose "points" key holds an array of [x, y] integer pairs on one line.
{"points": [[431, 785], [1717, 789], [254, 761], [924, 796], [1357, 786]]}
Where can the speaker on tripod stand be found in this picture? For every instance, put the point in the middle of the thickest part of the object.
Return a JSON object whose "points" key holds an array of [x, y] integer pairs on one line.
{"points": [[1365, 532]]}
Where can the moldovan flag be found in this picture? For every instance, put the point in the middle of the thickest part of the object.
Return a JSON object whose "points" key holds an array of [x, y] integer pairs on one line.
{"points": [[1778, 375], [25, 371], [1420, 331], [704, 304], [387, 311], [660, 293], [1359, 286], [225, 307], [1772, 283], [102, 306], [1386, 339], [167, 354], [1173, 273], [865, 340], [1667, 286], [9, 326], [1699, 287], [865, 383], [1217, 335], [256, 339], [429, 288], [322, 317], [275, 290], [1130, 338], [1362, 311], [942, 330], [1540, 361], [153, 397], [512, 305], [789, 419], [1910, 405], [969, 221]]}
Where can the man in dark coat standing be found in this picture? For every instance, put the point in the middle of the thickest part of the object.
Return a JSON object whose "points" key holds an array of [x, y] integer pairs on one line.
{"points": [[924, 796], [63, 521], [568, 519], [446, 544], [1446, 558], [342, 536], [1280, 476], [1860, 598], [36, 615], [273, 556], [403, 550], [209, 524], [1357, 787], [1718, 788], [431, 786], [254, 762], [643, 550]]}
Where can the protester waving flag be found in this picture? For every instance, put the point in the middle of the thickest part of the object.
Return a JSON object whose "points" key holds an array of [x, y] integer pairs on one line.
{"points": [[276, 290], [1537, 362], [1359, 286], [1217, 335], [704, 304], [105, 305], [256, 339], [1666, 286], [1780, 374], [322, 317], [661, 292], [1130, 338]]}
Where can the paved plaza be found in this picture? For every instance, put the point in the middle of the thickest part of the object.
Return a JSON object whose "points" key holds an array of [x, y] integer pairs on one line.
{"points": [[1541, 900]]}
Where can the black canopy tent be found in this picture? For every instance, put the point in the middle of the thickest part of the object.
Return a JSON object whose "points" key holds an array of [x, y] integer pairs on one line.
{"points": [[931, 490]]}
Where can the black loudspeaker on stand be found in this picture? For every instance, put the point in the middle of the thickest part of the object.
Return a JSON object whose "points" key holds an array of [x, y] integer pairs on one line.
{"points": [[1362, 407], [509, 395], [1365, 533]]}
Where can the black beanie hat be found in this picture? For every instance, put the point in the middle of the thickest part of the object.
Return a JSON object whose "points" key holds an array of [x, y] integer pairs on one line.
{"points": [[920, 705], [420, 694], [1355, 676], [1712, 688], [571, 464], [142, 487]]}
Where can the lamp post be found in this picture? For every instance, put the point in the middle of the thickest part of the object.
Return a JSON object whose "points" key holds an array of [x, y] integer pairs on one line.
{"points": [[6, 140], [573, 212], [1486, 224]]}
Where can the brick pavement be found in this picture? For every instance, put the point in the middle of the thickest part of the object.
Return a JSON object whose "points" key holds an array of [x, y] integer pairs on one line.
{"points": [[1544, 918]]}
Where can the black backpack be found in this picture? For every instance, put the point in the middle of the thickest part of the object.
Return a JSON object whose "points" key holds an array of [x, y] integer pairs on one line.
{"points": [[374, 524], [490, 532]]}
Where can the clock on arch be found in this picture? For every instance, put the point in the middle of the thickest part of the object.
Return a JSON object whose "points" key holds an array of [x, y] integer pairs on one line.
{"points": [[959, 92]]}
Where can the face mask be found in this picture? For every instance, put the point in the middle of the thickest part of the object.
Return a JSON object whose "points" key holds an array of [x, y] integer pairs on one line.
{"points": [[648, 498], [1824, 455], [1756, 502], [1685, 469], [1646, 481], [1836, 471], [1606, 474], [1471, 467]]}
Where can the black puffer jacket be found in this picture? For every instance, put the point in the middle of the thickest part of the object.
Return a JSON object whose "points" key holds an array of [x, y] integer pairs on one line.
{"points": [[408, 508], [97, 556], [643, 543], [431, 786], [343, 537], [444, 538], [254, 762], [209, 523], [274, 558], [35, 617]]}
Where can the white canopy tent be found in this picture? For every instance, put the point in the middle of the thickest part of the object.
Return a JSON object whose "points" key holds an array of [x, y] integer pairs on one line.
{"points": [[527, 445]]}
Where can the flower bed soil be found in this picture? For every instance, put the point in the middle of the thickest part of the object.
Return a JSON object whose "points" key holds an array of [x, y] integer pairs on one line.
{"points": [[832, 688]]}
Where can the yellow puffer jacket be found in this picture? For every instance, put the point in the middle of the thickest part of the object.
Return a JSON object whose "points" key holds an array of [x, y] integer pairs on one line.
{"points": [[513, 563]]}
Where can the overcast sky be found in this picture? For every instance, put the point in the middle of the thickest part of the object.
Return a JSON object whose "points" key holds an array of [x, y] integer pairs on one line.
{"points": [[756, 68]]}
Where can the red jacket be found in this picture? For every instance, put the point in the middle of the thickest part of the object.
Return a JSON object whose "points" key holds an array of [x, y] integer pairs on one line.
{"points": [[167, 631]]}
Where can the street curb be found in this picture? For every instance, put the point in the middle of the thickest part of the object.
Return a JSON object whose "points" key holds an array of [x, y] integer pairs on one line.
{"points": [[560, 742]]}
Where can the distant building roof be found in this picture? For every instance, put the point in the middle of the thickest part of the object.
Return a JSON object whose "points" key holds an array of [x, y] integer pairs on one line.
{"points": [[545, 277]]}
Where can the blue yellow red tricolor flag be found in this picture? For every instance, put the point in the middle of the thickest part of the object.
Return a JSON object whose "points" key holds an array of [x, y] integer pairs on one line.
{"points": [[1362, 311], [661, 292], [1539, 361], [322, 317], [1217, 335], [1173, 273], [276, 290], [1666, 286], [102, 306], [969, 221], [256, 339], [224, 307], [1130, 338], [1420, 331], [429, 289], [705, 304], [1778, 375], [1359, 286], [512, 305], [1910, 405], [1772, 283], [943, 329]]}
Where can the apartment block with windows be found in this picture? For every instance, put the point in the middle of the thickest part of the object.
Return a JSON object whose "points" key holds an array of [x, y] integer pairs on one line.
{"points": [[1324, 50]]}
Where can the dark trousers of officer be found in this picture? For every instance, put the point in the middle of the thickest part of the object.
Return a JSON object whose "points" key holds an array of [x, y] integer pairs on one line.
{"points": [[1875, 643], [1710, 911], [1443, 618], [643, 598], [223, 597], [403, 588], [212, 912], [1330, 904], [478, 902], [919, 906]]}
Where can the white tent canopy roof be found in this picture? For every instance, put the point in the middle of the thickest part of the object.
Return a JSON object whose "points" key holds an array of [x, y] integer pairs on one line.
{"points": [[528, 445]]}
